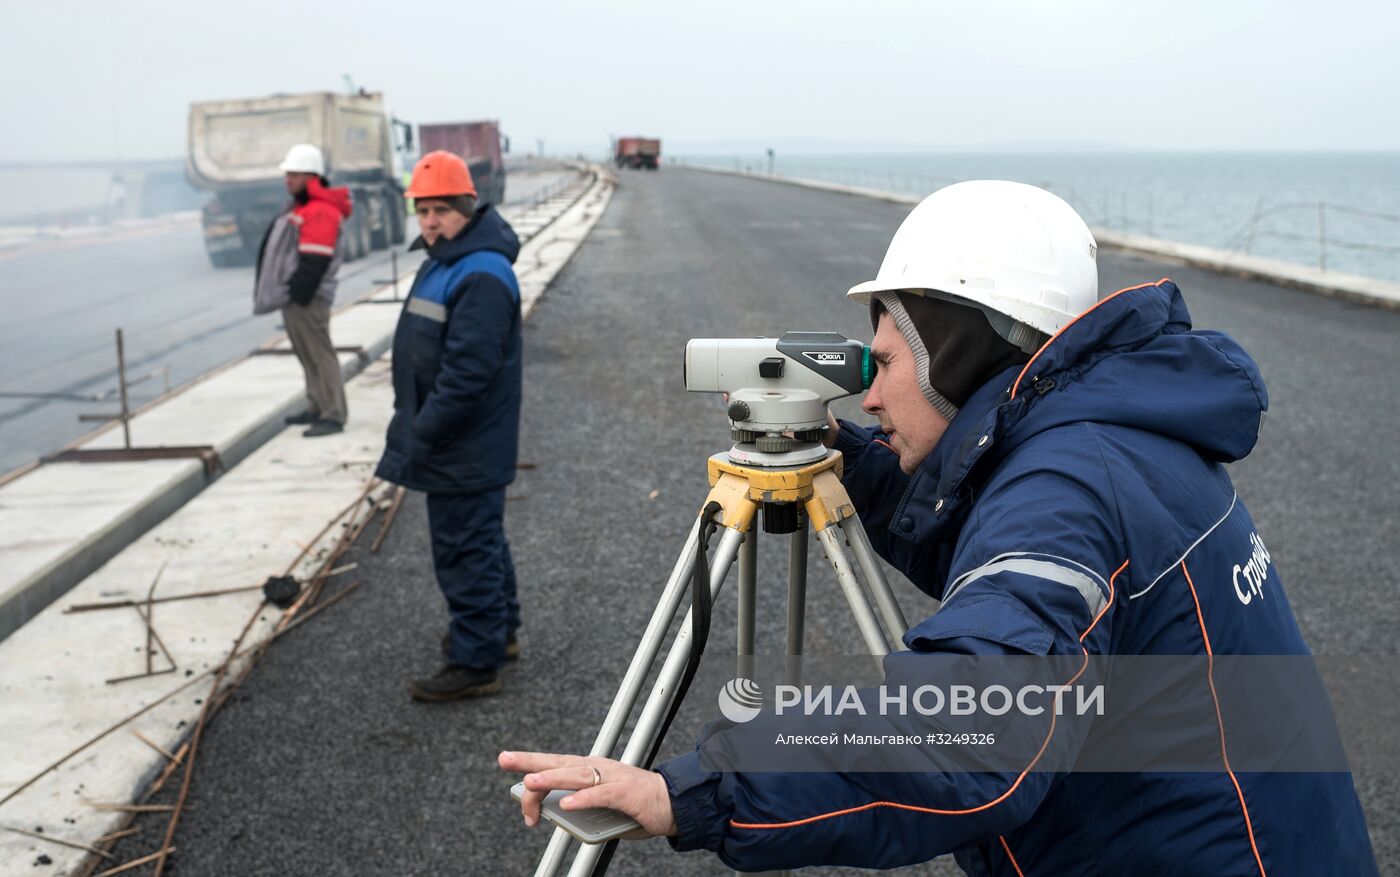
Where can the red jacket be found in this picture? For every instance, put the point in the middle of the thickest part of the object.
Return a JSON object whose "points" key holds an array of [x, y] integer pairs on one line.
{"points": [[300, 256], [318, 219]]}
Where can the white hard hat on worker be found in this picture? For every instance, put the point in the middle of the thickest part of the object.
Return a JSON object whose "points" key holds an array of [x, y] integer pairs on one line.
{"points": [[304, 158], [1016, 252]]}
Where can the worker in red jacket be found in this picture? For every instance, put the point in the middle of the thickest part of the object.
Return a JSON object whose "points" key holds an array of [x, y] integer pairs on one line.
{"points": [[297, 265]]}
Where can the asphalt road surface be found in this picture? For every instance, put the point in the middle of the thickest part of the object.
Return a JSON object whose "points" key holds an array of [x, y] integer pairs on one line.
{"points": [[62, 306], [322, 764]]}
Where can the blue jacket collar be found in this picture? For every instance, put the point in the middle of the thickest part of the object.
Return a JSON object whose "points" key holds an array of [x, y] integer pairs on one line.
{"points": [[486, 231], [1131, 360]]}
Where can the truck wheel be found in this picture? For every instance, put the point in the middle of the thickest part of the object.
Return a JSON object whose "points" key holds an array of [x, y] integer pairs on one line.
{"points": [[379, 237], [398, 219], [356, 237], [365, 243], [225, 259]]}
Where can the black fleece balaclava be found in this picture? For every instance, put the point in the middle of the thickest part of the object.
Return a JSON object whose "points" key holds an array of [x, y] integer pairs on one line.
{"points": [[463, 204], [956, 350]]}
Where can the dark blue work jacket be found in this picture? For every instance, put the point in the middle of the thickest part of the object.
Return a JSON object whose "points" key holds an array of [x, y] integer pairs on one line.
{"points": [[1078, 507], [457, 366]]}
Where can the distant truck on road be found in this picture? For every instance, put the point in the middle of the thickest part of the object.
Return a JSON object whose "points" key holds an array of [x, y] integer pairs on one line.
{"points": [[480, 145], [235, 147], [637, 152]]}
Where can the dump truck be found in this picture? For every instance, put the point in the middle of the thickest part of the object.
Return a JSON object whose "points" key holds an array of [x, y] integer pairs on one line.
{"points": [[235, 147], [480, 145], [637, 152]]}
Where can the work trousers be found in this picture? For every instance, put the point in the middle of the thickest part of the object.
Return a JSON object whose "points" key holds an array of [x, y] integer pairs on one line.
{"points": [[309, 330], [476, 574]]}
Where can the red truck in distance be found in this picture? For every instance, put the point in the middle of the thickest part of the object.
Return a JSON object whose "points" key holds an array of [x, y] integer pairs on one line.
{"points": [[480, 145], [637, 152]]}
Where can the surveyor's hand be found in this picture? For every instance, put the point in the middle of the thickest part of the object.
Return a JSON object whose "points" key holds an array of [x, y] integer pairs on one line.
{"points": [[641, 794]]}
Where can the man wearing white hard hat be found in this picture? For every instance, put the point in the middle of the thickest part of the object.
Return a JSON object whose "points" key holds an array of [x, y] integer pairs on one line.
{"points": [[1049, 465], [297, 265]]}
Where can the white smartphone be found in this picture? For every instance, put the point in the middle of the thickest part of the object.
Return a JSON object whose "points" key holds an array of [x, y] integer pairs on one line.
{"points": [[594, 825]]}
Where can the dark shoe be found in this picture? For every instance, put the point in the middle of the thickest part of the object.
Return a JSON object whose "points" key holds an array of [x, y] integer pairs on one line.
{"points": [[512, 647], [305, 418], [324, 427], [453, 683]]}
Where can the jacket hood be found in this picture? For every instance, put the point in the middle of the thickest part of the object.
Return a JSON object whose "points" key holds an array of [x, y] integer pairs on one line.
{"points": [[486, 231], [1132, 360], [338, 196]]}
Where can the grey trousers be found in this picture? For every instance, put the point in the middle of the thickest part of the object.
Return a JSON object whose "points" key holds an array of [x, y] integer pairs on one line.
{"points": [[309, 330]]}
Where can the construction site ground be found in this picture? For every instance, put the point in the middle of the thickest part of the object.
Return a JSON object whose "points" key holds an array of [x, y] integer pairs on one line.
{"points": [[321, 764]]}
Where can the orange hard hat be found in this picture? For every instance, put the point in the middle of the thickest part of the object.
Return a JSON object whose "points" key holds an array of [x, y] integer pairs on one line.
{"points": [[440, 174]]}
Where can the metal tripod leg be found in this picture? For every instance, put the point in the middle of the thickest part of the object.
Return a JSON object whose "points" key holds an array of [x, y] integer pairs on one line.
{"points": [[831, 539], [875, 579], [627, 693], [748, 602], [644, 734], [797, 602]]}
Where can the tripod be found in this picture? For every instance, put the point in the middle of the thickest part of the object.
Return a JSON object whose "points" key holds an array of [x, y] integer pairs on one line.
{"points": [[787, 495]]}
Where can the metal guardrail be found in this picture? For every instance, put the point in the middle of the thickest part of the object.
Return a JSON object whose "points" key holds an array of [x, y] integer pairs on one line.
{"points": [[554, 189]]}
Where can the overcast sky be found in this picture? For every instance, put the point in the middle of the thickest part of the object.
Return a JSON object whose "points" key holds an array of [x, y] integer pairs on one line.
{"points": [[102, 79]]}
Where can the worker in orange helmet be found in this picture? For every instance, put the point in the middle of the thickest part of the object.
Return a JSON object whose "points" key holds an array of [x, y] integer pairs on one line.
{"points": [[456, 424]]}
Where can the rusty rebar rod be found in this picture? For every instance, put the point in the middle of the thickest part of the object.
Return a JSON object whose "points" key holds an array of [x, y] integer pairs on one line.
{"points": [[156, 746], [388, 520], [121, 380], [149, 617], [150, 628], [117, 835], [311, 613], [136, 863], [326, 529], [60, 841], [118, 679], [122, 604], [161, 857]]}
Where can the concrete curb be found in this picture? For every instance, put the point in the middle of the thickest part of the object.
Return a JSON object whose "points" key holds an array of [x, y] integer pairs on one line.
{"points": [[182, 480], [1348, 287]]}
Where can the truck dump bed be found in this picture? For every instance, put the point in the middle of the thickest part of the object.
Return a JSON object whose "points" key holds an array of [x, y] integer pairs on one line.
{"points": [[479, 145], [243, 141], [637, 152]]}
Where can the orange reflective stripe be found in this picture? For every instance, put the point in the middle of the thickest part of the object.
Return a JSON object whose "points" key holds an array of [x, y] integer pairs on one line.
{"points": [[1112, 592], [821, 817], [1017, 385], [1224, 755], [1014, 863]]}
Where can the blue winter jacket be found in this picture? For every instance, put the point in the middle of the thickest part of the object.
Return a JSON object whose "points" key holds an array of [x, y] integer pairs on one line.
{"points": [[1099, 465], [457, 366]]}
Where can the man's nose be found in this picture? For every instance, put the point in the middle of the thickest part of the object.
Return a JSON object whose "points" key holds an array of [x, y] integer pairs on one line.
{"points": [[871, 403]]}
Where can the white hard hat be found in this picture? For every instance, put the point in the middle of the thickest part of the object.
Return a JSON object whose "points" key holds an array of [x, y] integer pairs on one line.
{"points": [[1006, 248], [304, 158]]}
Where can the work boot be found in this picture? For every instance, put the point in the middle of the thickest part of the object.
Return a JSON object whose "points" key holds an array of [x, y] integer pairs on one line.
{"points": [[324, 427], [512, 647], [453, 683], [305, 418]]}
